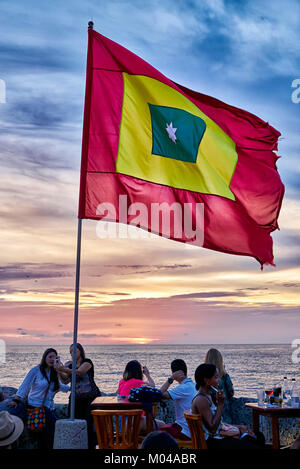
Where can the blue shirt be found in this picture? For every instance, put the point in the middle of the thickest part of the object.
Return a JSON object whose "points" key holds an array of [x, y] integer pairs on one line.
{"points": [[34, 387]]}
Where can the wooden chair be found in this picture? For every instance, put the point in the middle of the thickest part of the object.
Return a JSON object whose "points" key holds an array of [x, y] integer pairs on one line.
{"points": [[117, 429], [195, 425], [111, 403], [184, 443]]}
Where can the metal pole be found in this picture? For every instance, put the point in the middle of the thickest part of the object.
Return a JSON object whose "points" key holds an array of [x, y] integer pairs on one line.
{"points": [[76, 318], [82, 191]]}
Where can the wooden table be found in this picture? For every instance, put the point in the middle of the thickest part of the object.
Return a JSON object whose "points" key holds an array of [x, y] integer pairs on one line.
{"points": [[112, 403], [274, 413]]}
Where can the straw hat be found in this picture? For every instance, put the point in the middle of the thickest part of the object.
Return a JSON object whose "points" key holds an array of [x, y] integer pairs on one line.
{"points": [[11, 428]]}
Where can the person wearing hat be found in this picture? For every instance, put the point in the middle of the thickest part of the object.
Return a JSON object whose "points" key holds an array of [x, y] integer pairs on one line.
{"points": [[11, 428]]}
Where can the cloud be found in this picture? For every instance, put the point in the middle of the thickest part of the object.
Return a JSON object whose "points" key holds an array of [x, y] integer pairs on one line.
{"points": [[261, 38], [34, 334], [154, 266], [87, 336], [29, 58], [214, 294], [26, 271], [35, 155], [38, 112], [139, 269], [99, 336]]}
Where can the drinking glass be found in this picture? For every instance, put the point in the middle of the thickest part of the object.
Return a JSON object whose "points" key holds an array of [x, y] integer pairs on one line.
{"points": [[268, 391], [260, 396], [295, 399]]}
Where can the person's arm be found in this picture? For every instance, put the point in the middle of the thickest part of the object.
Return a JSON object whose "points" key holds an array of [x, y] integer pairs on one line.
{"points": [[202, 407], [175, 376], [63, 372], [83, 369], [64, 387], [165, 387], [66, 373], [244, 429], [150, 381]]}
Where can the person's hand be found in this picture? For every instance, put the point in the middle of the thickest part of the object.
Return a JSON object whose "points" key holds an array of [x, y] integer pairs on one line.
{"points": [[12, 404], [146, 372], [58, 365], [220, 398], [245, 429], [178, 375]]}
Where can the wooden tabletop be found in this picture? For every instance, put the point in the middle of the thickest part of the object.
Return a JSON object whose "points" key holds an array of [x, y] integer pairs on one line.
{"points": [[112, 402], [294, 411], [105, 399]]}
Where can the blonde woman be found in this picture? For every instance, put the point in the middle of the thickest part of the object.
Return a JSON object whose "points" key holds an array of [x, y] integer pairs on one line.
{"points": [[214, 357]]}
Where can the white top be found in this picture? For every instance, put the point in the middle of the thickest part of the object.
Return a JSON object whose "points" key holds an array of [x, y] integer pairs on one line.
{"points": [[207, 433], [182, 396], [34, 387]]}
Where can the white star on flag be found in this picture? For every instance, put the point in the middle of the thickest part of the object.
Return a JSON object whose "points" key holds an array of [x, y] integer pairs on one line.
{"points": [[171, 132]]}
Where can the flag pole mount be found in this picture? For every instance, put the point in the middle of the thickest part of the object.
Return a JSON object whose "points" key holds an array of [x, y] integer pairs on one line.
{"points": [[90, 25]]}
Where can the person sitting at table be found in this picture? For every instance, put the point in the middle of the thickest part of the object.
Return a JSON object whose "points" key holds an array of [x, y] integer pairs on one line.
{"points": [[206, 377], [182, 396], [133, 378], [214, 357]]}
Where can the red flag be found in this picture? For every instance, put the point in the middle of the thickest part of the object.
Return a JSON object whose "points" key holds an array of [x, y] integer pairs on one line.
{"points": [[152, 141]]}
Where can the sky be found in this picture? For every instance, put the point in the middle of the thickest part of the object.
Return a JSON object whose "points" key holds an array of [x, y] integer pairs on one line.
{"points": [[150, 291]]}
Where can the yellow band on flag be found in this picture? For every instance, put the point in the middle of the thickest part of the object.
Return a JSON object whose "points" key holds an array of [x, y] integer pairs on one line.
{"points": [[158, 126]]}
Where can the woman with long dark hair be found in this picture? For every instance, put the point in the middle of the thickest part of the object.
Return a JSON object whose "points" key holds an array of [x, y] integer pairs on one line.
{"points": [[86, 389], [133, 378], [217, 434], [39, 388]]}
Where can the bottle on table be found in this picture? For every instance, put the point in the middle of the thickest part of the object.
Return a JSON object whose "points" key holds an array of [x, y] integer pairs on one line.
{"points": [[294, 394], [285, 390], [278, 395]]}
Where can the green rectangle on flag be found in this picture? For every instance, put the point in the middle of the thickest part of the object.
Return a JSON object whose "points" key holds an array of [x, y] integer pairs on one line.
{"points": [[176, 133]]}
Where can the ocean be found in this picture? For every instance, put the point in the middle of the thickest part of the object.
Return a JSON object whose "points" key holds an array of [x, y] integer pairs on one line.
{"points": [[249, 366]]}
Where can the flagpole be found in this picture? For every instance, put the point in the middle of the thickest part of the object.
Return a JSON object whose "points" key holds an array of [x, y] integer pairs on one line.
{"points": [[76, 307], [81, 213]]}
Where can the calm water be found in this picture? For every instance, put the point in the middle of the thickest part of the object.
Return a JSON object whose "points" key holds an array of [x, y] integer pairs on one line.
{"points": [[250, 366]]}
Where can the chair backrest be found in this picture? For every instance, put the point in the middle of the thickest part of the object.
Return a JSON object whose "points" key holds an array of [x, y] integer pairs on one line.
{"points": [[117, 429], [194, 422]]}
